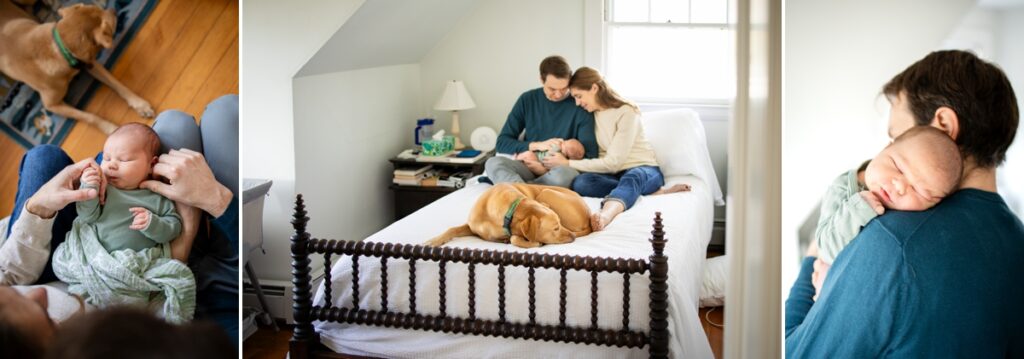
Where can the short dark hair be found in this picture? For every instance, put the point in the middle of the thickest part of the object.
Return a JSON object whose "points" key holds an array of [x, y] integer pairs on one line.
{"points": [[976, 90], [555, 66], [14, 343], [121, 332], [143, 132]]}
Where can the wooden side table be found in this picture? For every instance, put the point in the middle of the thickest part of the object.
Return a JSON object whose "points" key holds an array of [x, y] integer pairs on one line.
{"points": [[409, 199]]}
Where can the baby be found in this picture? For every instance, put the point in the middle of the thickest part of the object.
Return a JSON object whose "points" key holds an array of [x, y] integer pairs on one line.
{"points": [[572, 149], [914, 173], [118, 250]]}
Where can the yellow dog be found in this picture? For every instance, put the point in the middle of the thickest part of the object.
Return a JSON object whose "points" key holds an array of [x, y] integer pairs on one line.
{"points": [[525, 215]]}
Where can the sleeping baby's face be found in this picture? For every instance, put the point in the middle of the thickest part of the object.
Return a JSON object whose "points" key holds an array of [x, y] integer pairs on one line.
{"points": [[128, 157], [916, 171]]}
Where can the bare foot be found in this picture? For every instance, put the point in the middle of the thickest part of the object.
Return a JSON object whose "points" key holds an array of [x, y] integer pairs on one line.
{"points": [[608, 212], [596, 224], [682, 187]]}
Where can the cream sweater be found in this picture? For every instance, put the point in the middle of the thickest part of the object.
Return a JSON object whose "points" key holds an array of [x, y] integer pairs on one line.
{"points": [[620, 141]]}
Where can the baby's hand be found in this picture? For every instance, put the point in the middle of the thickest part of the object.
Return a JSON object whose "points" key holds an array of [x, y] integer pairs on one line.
{"points": [[91, 176], [141, 220], [818, 277], [873, 202]]}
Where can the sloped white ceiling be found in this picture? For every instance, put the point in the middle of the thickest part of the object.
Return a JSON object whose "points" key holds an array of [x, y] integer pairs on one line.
{"points": [[387, 32]]}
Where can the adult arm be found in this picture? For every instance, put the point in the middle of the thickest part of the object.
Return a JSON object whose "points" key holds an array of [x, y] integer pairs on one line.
{"points": [[508, 139], [24, 254], [628, 128], [864, 307]]}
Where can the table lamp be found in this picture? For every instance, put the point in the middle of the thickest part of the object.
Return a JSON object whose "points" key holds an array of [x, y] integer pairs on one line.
{"points": [[455, 98]]}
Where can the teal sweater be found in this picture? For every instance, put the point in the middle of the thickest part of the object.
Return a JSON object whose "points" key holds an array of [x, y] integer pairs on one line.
{"points": [[945, 282], [543, 119]]}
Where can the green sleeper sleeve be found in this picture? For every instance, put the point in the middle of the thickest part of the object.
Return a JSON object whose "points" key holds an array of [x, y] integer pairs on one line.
{"points": [[843, 213], [164, 224], [89, 210]]}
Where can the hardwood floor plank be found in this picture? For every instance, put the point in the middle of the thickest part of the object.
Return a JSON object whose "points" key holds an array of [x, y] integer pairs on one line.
{"points": [[202, 64], [224, 75]]}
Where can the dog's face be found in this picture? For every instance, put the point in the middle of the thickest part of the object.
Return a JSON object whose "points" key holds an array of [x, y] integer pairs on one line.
{"points": [[91, 19], [541, 224]]}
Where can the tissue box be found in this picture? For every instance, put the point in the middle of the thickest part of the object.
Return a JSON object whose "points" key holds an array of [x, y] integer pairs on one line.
{"points": [[438, 147]]}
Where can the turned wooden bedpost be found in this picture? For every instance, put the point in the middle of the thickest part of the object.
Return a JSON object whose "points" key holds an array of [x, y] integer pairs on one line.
{"points": [[303, 335], [659, 292]]}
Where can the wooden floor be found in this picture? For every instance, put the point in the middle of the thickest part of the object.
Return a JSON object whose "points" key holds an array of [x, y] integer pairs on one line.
{"points": [[184, 56]]}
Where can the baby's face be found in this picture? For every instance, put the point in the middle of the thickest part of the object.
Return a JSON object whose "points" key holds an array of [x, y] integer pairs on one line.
{"points": [[573, 149], [126, 161], [907, 176]]}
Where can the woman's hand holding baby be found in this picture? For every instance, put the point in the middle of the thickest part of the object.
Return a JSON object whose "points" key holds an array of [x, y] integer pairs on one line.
{"points": [[873, 202], [191, 182], [141, 220], [555, 159]]}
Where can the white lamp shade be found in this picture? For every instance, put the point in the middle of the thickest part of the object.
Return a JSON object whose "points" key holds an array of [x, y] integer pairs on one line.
{"points": [[454, 98]]}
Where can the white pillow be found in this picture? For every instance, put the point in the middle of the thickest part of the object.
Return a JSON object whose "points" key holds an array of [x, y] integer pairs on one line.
{"points": [[716, 272], [681, 146]]}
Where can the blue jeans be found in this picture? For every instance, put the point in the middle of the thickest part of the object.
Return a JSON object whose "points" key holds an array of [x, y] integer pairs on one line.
{"points": [[624, 187], [214, 259]]}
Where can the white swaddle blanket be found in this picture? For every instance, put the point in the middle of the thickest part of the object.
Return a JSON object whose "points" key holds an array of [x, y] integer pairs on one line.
{"points": [[147, 278]]}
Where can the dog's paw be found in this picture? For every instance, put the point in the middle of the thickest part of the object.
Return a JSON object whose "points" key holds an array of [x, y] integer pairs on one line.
{"points": [[142, 107]]}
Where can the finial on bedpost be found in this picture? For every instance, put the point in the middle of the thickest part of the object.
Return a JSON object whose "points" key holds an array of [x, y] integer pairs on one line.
{"points": [[302, 300], [659, 291]]}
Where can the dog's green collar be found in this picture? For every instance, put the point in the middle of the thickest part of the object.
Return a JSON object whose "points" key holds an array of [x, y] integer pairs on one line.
{"points": [[75, 63], [508, 216]]}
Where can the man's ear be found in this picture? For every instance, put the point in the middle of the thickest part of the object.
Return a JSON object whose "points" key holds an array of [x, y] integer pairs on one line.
{"points": [[946, 120]]}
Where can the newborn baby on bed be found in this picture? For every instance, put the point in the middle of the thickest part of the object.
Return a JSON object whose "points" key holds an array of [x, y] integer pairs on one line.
{"points": [[913, 173], [118, 251], [572, 149]]}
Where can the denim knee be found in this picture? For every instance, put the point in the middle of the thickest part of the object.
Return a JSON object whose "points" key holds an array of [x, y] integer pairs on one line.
{"points": [[177, 130], [46, 155]]}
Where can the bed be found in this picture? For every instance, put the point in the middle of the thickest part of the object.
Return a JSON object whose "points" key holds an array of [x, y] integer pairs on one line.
{"points": [[614, 293]]}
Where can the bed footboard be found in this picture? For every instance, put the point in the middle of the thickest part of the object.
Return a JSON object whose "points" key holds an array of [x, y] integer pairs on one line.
{"points": [[305, 341]]}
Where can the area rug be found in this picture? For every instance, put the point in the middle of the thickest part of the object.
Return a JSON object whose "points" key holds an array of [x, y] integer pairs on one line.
{"points": [[21, 112]]}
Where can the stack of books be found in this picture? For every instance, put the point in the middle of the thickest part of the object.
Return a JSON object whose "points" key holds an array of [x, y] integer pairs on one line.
{"points": [[464, 156], [412, 176]]}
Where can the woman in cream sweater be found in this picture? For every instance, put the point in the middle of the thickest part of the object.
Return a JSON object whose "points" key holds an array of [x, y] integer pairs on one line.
{"points": [[626, 167]]}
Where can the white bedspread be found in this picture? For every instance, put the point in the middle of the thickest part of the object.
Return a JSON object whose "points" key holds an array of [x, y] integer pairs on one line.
{"points": [[688, 218]]}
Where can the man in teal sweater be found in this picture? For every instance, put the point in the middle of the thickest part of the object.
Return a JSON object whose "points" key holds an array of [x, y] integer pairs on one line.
{"points": [[545, 117], [945, 282]]}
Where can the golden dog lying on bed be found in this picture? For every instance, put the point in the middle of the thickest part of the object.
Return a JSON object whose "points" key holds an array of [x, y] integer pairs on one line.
{"points": [[524, 215]]}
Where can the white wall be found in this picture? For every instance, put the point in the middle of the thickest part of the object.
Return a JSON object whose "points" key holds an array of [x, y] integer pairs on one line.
{"points": [[347, 125], [1010, 57], [496, 50], [838, 54], [277, 39]]}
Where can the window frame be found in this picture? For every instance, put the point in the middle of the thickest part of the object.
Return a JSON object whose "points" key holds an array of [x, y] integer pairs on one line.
{"points": [[597, 25]]}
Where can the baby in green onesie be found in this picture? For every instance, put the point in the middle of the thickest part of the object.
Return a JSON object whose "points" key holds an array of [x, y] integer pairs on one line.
{"points": [[913, 173], [572, 149], [118, 250]]}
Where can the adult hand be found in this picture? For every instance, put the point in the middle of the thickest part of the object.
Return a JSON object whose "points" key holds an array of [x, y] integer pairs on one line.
{"points": [[61, 191], [546, 145], [555, 159], [191, 182]]}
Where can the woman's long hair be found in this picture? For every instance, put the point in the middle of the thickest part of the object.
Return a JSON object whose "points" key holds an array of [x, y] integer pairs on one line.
{"points": [[585, 78]]}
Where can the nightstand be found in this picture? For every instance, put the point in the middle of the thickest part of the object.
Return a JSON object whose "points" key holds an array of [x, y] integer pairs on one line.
{"points": [[409, 199]]}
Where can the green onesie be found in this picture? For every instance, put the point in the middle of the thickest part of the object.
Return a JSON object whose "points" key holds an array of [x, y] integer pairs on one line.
{"points": [[843, 213], [113, 219]]}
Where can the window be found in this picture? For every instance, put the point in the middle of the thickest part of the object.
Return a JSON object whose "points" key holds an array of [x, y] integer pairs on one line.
{"points": [[670, 51]]}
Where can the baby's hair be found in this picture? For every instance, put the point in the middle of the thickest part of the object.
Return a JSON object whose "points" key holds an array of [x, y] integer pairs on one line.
{"points": [[950, 162], [146, 133]]}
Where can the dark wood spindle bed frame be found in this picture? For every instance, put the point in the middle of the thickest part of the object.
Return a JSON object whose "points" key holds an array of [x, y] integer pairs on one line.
{"points": [[305, 342]]}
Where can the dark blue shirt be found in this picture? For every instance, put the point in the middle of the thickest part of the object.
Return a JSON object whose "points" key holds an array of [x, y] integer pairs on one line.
{"points": [[946, 282], [543, 119]]}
